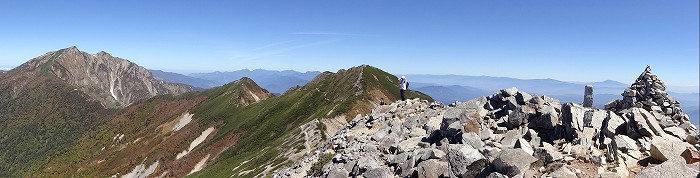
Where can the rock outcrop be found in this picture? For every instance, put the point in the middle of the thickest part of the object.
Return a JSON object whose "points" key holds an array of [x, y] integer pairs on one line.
{"points": [[515, 134], [113, 81]]}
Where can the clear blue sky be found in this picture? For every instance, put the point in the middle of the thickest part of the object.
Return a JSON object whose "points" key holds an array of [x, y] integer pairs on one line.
{"points": [[565, 40]]}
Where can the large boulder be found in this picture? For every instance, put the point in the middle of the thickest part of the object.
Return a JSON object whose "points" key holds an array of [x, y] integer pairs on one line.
{"points": [[408, 144], [674, 167], [614, 125], [377, 172], [547, 120], [666, 147], [512, 162], [510, 138], [548, 153], [509, 91], [338, 173], [465, 161], [524, 145], [625, 143], [517, 117], [473, 140], [572, 119], [433, 168], [594, 118]]}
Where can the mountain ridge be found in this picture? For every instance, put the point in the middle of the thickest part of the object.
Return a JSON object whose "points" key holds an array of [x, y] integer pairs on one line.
{"points": [[114, 81]]}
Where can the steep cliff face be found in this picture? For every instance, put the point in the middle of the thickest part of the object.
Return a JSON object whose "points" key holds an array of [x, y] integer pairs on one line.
{"points": [[113, 81]]}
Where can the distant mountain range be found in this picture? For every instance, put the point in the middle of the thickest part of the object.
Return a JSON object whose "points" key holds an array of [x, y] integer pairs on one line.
{"points": [[179, 78], [451, 88], [274, 81]]}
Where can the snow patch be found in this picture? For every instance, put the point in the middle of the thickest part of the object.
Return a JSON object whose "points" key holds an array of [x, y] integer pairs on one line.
{"points": [[184, 120], [200, 165], [111, 87], [141, 171], [195, 142]]}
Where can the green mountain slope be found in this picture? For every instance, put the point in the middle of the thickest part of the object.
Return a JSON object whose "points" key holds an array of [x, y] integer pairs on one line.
{"points": [[273, 125], [40, 117], [237, 129]]}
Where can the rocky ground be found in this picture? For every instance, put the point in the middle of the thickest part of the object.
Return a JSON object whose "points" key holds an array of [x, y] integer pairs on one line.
{"points": [[514, 134]]}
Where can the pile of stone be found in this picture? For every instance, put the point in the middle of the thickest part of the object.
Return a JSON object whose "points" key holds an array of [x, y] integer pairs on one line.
{"points": [[648, 92], [512, 134]]}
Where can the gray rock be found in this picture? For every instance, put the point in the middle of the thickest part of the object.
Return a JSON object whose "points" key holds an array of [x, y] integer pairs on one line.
{"points": [[522, 98], [465, 161], [674, 167], [614, 123], [646, 123], [380, 134], [510, 138], [572, 119], [666, 147], [338, 173], [408, 145], [452, 115], [496, 175], [389, 143], [625, 143], [432, 154], [637, 125], [367, 163], [433, 168], [693, 139], [512, 162], [563, 171], [433, 124], [652, 121], [406, 167], [418, 132], [400, 158], [376, 172], [586, 136], [547, 120], [509, 91], [675, 131], [485, 133], [524, 145], [517, 118], [547, 153], [597, 119], [473, 140]]}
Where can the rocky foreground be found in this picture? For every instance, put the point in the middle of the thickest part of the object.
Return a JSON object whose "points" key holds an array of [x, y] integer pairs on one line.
{"points": [[514, 134]]}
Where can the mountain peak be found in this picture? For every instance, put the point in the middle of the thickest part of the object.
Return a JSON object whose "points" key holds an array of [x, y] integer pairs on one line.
{"points": [[115, 82]]}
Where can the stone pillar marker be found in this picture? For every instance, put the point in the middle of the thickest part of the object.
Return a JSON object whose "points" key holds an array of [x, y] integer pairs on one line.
{"points": [[588, 96]]}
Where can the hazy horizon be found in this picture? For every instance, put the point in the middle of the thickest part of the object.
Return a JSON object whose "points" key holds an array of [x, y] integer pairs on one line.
{"points": [[568, 41]]}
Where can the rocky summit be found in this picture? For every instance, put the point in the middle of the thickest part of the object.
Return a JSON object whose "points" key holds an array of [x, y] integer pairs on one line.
{"points": [[513, 134], [113, 81]]}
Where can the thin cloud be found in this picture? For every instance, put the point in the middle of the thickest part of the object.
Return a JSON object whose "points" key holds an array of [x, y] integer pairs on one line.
{"points": [[273, 45], [328, 34], [281, 51]]}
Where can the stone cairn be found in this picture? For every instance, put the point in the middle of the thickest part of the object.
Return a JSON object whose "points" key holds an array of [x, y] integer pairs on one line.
{"points": [[649, 92], [514, 134], [588, 96]]}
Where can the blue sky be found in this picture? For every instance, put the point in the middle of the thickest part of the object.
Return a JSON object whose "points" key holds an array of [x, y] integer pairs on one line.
{"points": [[564, 40]]}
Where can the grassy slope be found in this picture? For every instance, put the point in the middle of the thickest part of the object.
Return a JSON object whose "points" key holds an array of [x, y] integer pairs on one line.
{"points": [[269, 123], [265, 126]]}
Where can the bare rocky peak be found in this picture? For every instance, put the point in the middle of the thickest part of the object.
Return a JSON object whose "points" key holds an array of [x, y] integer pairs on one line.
{"points": [[114, 81], [248, 92]]}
